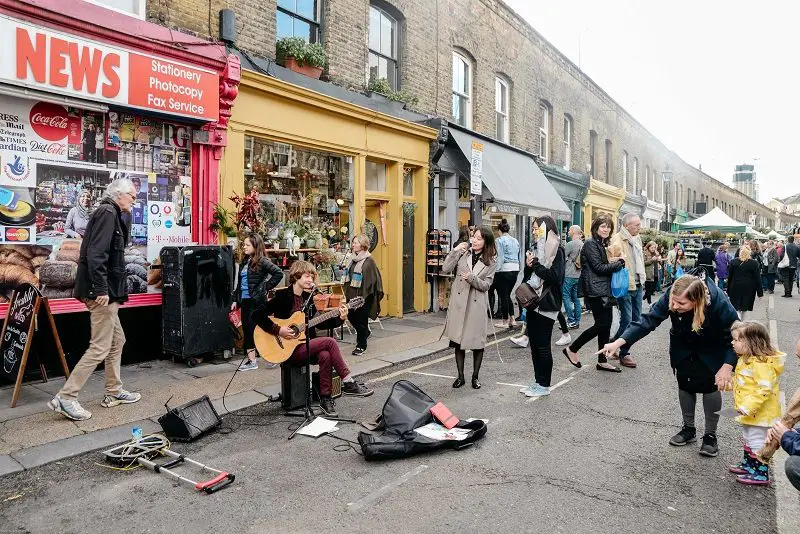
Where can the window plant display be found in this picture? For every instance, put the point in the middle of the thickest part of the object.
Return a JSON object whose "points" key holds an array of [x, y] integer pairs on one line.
{"points": [[300, 56]]}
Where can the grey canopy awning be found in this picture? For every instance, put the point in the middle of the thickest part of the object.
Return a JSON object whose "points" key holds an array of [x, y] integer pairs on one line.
{"points": [[513, 177]]}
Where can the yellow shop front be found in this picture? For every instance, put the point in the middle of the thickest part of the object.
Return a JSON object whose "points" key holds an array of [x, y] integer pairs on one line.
{"points": [[601, 199], [325, 170]]}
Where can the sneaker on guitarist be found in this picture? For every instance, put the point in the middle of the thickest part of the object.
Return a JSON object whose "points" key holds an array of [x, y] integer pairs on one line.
{"points": [[282, 323]]}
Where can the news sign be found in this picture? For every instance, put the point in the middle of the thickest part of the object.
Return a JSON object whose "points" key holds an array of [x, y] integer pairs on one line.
{"points": [[39, 58]]}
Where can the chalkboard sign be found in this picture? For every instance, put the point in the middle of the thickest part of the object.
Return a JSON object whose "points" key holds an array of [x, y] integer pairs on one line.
{"points": [[17, 335]]}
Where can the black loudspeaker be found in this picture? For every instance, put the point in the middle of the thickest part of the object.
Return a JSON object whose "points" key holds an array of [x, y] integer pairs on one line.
{"points": [[191, 420], [227, 26], [293, 386]]}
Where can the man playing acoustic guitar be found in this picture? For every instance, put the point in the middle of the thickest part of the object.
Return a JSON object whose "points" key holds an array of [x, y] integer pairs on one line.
{"points": [[324, 350]]}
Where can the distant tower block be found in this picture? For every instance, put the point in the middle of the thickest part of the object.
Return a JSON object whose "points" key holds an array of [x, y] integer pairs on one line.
{"points": [[744, 180]]}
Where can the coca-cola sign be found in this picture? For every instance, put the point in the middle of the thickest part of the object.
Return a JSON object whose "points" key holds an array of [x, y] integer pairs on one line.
{"points": [[49, 121], [54, 149]]}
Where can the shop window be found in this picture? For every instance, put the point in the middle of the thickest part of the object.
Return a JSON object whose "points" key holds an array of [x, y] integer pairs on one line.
{"points": [[408, 181], [567, 142], [383, 46], [135, 8], [544, 132], [375, 177], [462, 90], [304, 193], [501, 108], [298, 18]]}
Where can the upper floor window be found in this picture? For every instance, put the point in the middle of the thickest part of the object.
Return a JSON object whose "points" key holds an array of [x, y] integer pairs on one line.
{"points": [[544, 132], [609, 161], [383, 33], [567, 142], [625, 177], [462, 90], [646, 191], [592, 152], [501, 110], [299, 18], [635, 176], [134, 8]]}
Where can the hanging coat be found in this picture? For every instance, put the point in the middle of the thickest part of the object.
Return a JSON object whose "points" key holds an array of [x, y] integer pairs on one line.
{"points": [[467, 313]]}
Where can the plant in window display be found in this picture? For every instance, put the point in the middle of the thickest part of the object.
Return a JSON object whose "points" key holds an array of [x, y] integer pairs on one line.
{"points": [[247, 209], [408, 210]]}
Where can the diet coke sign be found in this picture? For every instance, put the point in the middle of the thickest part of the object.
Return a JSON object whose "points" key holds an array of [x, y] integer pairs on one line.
{"points": [[49, 121]]}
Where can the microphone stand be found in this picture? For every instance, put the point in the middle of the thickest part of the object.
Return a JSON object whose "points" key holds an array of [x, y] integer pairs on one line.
{"points": [[308, 411]]}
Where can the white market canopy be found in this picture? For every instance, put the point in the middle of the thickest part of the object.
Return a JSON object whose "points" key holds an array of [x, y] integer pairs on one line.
{"points": [[715, 219], [752, 232], [775, 235]]}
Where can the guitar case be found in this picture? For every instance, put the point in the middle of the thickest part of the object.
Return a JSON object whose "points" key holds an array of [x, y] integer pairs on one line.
{"points": [[407, 408]]}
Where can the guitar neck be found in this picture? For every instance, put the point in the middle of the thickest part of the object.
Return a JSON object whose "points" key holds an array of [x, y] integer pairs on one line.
{"points": [[322, 318]]}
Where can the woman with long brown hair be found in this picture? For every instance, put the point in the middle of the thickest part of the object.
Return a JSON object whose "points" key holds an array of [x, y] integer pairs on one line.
{"points": [[700, 351], [596, 271], [474, 265], [651, 260], [257, 276]]}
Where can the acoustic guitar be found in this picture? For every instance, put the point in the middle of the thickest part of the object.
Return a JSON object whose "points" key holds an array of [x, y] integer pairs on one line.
{"points": [[276, 349]]}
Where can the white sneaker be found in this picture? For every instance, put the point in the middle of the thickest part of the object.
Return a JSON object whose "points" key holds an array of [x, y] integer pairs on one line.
{"points": [[537, 391], [249, 365], [528, 388], [565, 339], [69, 409], [122, 397], [521, 341]]}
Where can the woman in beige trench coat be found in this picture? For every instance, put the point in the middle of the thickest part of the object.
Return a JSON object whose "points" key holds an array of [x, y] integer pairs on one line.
{"points": [[473, 264]]}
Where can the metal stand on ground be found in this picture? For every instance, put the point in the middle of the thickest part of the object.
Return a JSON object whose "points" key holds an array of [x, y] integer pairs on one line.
{"points": [[308, 411]]}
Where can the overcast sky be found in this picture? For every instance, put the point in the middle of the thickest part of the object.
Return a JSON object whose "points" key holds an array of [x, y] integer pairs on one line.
{"points": [[715, 80]]}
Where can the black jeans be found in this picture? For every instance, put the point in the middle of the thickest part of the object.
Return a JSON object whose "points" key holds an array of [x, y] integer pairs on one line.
{"points": [[505, 281], [603, 316], [787, 276], [359, 318], [247, 323], [770, 281], [540, 333], [649, 290]]}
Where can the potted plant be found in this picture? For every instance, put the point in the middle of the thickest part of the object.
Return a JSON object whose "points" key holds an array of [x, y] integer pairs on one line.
{"points": [[221, 224], [300, 56], [379, 89]]}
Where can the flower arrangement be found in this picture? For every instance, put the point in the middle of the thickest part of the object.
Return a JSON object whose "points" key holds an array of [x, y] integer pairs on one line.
{"points": [[247, 208], [220, 222]]}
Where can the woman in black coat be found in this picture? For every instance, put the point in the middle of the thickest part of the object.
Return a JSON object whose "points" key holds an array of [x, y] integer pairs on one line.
{"points": [[596, 271], [544, 271], [744, 282], [257, 276]]}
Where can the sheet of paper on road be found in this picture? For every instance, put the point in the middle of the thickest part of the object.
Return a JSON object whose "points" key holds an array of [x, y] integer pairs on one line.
{"points": [[318, 427], [440, 433]]}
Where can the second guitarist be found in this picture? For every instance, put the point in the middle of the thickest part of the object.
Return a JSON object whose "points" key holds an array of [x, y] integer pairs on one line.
{"points": [[324, 350]]}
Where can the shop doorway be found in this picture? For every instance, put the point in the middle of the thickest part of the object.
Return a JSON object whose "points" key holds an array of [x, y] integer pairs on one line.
{"points": [[408, 263]]}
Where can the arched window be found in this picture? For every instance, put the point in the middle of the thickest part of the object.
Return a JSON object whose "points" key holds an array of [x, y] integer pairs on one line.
{"points": [[384, 43], [567, 142], [545, 113], [502, 106]]}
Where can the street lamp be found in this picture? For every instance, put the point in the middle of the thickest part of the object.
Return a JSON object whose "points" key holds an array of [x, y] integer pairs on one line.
{"points": [[666, 178]]}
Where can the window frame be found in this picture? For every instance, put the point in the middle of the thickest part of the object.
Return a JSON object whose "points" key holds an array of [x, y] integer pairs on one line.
{"points": [[635, 177], [567, 142], [314, 24], [395, 45], [609, 150], [141, 14], [544, 131], [501, 85], [625, 175], [467, 96]]}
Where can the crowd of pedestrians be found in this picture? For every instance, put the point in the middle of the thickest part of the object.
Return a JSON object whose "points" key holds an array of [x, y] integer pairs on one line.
{"points": [[713, 345]]}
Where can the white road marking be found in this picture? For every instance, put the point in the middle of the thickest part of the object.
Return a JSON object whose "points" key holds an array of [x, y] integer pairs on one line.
{"points": [[515, 385], [771, 302], [376, 495], [431, 374]]}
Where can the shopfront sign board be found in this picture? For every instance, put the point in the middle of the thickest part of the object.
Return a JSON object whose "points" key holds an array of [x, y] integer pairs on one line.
{"points": [[39, 58], [19, 327], [476, 169]]}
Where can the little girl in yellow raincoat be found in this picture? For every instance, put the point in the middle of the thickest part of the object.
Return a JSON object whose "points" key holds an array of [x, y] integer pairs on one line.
{"points": [[756, 395]]}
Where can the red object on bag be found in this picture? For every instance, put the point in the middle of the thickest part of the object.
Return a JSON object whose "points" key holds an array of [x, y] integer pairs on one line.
{"points": [[235, 317], [444, 415]]}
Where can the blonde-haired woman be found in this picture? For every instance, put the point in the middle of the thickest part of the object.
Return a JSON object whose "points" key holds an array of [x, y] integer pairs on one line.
{"points": [[700, 350], [744, 282], [363, 279]]}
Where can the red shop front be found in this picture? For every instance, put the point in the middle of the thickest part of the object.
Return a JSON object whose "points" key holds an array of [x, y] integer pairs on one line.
{"points": [[86, 97]]}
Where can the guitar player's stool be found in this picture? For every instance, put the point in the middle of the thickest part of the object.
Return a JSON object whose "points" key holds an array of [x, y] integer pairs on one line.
{"points": [[293, 386]]}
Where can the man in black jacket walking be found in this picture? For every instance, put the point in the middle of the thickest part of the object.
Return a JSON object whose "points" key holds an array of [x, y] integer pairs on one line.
{"points": [[787, 273], [102, 285]]}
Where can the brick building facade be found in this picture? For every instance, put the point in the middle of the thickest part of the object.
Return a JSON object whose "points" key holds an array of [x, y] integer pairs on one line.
{"points": [[545, 88]]}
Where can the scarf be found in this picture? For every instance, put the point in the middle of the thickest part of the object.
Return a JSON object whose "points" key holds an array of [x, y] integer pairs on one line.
{"points": [[356, 278], [638, 256], [83, 212], [546, 250]]}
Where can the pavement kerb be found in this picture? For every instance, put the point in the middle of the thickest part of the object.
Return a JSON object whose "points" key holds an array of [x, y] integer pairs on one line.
{"points": [[31, 457]]}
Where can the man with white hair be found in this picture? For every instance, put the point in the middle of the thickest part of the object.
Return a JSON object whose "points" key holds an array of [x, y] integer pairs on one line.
{"points": [[630, 305], [572, 277], [102, 286]]}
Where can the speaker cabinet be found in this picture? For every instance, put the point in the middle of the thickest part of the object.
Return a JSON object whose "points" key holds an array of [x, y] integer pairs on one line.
{"points": [[293, 386], [191, 420]]}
